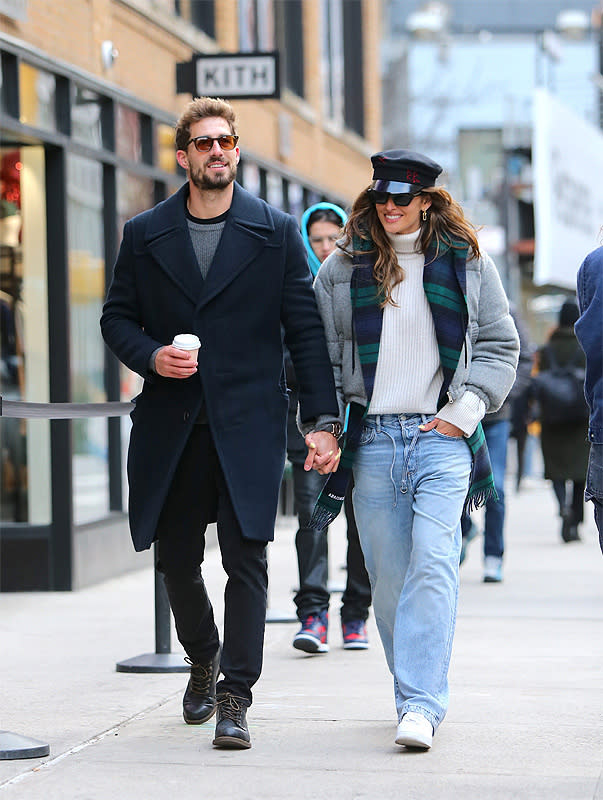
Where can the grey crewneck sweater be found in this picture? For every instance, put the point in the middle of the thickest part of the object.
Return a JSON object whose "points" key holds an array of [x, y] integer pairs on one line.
{"points": [[205, 237]]}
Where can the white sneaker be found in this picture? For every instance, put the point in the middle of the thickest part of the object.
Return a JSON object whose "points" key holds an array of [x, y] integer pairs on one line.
{"points": [[415, 730], [492, 569]]}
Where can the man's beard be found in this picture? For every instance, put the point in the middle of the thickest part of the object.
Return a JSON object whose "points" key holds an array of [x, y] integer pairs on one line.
{"points": [[204, 180]]}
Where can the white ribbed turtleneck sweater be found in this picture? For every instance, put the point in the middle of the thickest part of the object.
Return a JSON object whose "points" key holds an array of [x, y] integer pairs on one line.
{"points": [[409, 375]]}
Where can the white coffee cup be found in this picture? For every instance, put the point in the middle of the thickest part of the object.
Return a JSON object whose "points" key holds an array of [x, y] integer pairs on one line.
{"points": [[187, 341]]}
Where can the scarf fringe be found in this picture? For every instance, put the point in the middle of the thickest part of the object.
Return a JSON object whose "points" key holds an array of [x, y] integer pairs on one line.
{"points": [[321, 518], [479, 499]]}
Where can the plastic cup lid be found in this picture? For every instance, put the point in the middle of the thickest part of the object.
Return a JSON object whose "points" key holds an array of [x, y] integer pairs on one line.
{"points": [[186, 341]]}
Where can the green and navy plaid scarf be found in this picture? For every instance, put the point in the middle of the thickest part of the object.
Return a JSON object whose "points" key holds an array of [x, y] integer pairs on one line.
{"points": [[444, 282]]}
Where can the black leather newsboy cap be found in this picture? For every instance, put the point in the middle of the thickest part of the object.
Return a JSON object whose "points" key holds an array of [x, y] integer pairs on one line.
{"points": [[405, 166]]}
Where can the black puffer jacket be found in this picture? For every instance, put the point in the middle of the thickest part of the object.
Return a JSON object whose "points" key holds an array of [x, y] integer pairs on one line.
{"points": [[565, 447]]}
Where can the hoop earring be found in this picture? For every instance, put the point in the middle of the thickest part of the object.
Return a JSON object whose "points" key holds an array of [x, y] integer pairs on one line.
{"points": [[424, 215]]}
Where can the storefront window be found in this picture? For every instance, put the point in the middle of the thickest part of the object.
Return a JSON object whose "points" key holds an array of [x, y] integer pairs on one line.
{"points": [[24, 444], [86, 108], [274, 188], [166, 147], [127, 133], [134, 195], [251, 177], [86, 289], [37, 91], [296, 200]]}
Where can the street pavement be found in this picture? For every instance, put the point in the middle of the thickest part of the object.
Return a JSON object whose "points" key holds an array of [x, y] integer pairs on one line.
{"points": [[526, 680]]}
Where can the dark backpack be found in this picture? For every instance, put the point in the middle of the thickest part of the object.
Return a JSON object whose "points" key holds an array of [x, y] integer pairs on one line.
{"points": [[559, 391]]}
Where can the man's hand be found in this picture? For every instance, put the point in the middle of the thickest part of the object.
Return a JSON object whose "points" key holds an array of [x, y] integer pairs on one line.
{"points": [[323, 452], [170, 362], [445, 428]]}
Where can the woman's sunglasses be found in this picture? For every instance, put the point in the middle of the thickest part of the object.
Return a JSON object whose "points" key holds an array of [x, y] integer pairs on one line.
{"points": [[400, 199], [205, 143]]}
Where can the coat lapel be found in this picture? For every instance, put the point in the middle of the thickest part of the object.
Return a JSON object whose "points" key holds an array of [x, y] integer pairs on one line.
{"points": [[168, 240], [247, 227]]}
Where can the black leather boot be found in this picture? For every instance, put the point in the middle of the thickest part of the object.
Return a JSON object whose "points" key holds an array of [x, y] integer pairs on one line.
{"points": [[569, 527], [231, 727], [199, 701]]}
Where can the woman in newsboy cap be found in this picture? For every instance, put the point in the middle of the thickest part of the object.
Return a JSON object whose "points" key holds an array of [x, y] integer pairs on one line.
{"points": [[422, 346]]}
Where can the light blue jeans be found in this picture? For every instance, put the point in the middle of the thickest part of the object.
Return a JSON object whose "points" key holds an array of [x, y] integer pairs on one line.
{"points": [[410, 487]]}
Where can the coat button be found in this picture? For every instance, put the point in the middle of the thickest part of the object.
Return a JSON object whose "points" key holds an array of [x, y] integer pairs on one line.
{"points": [[186, 415]]}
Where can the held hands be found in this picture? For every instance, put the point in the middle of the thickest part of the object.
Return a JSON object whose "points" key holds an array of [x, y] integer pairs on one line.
{"points": [[323, 452], [445, 428], [170, 362]]}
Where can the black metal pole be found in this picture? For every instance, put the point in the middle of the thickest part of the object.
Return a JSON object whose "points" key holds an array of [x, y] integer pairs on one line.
{"points": [[162, 660], [162, 614]]}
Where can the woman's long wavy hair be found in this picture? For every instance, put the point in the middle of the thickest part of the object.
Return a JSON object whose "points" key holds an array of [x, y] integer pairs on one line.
{"points": [[445, 226]]}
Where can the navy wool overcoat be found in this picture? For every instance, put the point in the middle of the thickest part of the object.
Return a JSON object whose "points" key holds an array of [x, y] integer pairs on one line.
{"points": [[258, 285]]}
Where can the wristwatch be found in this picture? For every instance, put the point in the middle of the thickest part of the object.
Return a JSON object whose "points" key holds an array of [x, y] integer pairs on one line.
{"points": [[334, 428]]}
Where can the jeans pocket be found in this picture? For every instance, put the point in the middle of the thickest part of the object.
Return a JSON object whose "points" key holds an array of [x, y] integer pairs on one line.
{"points": [[445, 436], [367, 435]]}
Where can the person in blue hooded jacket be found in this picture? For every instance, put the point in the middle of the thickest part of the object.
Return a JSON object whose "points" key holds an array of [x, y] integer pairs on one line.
{"points": [[320, 228]]}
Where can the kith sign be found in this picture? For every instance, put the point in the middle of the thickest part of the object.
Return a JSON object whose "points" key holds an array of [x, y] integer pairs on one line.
{"points": [[233, 75]]}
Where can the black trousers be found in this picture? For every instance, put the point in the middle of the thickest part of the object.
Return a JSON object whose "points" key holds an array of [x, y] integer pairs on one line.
{"points": [[570, 498], [199, 494], [356, 599], [312, 550]]}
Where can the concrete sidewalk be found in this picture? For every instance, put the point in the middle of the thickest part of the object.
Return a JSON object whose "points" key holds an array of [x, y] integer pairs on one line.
{"points": [[525, 718]]}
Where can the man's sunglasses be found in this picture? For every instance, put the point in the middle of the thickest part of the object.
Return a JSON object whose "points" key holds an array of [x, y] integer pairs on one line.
{"points": [[400, 198], [205, 143]]}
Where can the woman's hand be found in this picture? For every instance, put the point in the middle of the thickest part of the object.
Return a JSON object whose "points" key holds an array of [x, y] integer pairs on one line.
{"points": [[445, 428]]}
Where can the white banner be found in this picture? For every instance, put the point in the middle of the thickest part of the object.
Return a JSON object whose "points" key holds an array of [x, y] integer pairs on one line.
{"points": [[567, 160]]}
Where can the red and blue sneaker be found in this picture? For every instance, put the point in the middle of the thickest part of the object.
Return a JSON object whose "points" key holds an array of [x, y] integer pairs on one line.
{"points": [[355, 636], [312, 636]]}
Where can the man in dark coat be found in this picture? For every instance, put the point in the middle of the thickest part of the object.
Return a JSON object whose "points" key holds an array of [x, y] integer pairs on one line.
{"points": [[208, 433]]}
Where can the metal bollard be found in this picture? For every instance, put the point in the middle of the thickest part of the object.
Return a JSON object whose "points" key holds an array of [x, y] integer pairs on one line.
{"points": [[162, 660]]}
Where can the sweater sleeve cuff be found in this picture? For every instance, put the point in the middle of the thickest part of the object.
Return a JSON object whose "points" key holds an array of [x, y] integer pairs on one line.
{"points": [[465, 413], [323, 423], [151, 364]]}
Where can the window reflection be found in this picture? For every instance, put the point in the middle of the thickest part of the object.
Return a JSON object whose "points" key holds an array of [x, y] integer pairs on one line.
{"points": [[251, 176], [86, 289], [86, 109], [134, 194], [12, 364], [256, 25], [24, 444], [166, 146], [200, 13], [37, 91], [331, 61], [296, 200], [274, 187], [127, 133]]}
